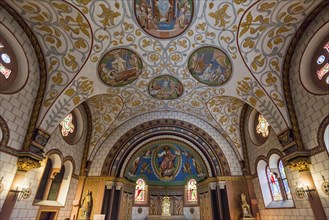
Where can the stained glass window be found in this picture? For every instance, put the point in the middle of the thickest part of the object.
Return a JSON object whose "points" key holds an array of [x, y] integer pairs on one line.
{"points": [[192, 191], [140, 191], [262, 127], [322, 62], [284, 180], [274, 185], [4, 61], [67, 125]]}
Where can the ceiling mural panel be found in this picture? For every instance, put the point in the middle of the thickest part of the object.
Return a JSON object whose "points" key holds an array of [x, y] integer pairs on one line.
{"points": [[120, 67], [66, 39], [210, 66], [227, 113], [164, 19], [165, 87], [244, 43], [264, 35]]}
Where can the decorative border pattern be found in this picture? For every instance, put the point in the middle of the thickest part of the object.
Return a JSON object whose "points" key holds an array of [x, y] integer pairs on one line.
{"points": [[5, 133], [320, 136], [246, 166]]}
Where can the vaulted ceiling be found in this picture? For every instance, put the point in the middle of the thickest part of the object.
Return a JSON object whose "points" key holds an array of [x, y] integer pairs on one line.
{"points": [[76, 35]]}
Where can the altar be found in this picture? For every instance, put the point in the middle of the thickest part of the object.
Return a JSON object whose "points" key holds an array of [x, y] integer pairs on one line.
{"points": [[162, 217]]}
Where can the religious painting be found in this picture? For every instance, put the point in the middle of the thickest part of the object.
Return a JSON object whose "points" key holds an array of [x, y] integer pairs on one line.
{"points": [[120, 67], [210, 66], [164, 18], [140, 191], [165, 88], [165, 160]]}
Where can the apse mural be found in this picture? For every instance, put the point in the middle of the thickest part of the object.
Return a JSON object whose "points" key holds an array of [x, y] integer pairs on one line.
{"points": [[164, 18], [210, 66], [165, 87], [120, 67], [166, 160]]}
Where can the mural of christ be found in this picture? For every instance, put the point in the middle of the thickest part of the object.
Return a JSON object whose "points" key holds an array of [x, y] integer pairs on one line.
{"points": [[167, 165]]}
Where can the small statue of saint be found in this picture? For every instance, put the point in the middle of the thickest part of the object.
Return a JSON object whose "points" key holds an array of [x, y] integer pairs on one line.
{"points": [[87, 205], [245, 207]]}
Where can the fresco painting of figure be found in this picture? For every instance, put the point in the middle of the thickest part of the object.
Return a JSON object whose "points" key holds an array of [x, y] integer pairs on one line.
{"points": [[165, 160], [210, 66], [164, 18], [165, 87], [120, 67]]}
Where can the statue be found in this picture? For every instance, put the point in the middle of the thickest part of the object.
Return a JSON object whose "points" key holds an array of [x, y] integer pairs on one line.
{"points": [[87, 205], [166, 206], [245, 207]]}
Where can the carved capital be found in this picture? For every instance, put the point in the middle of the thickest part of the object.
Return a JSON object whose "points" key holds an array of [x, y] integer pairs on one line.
{"points": [[26, 163], [299, 163]]}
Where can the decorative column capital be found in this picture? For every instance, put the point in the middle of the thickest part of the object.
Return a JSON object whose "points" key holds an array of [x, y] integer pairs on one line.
{"points": [[26, 164], [300, 164], [27, 161]]}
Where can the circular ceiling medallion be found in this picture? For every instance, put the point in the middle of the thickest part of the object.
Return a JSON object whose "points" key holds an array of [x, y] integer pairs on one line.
{"points": [[120, 67], [165, 87], [210, 66], [164, 18]]}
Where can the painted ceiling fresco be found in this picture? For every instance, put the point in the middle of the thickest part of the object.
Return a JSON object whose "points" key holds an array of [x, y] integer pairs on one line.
{"points": [[216, 55]]}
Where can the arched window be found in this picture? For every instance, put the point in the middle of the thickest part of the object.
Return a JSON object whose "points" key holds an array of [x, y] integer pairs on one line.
{"points": [[273, 182], [274, 185], [140, 191], [192, 195], [284, 180], [55, 182]]}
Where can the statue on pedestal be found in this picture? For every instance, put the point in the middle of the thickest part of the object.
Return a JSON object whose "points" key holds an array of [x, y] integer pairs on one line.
{"points": [[166, 206], [245, 207]]}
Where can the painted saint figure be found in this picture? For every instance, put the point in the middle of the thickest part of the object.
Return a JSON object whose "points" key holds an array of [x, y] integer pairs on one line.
{"points": [[119, 64], [87, 205]]}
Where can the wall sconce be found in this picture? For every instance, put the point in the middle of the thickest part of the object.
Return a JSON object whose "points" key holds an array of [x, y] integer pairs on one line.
{"points": [[23, 192], [325, 186], [1, 185], [303, 193]]}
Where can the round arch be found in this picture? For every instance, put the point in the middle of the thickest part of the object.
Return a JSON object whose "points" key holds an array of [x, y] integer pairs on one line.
{"points": [[136, 135]]}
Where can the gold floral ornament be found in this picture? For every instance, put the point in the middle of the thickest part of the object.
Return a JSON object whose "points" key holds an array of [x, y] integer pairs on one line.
{"points": [[262, 127], [67, 125]]}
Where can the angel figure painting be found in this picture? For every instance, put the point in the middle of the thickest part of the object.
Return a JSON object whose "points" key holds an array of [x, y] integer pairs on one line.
{"points": [[120, 67], [210, 66], [164, 18]]}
